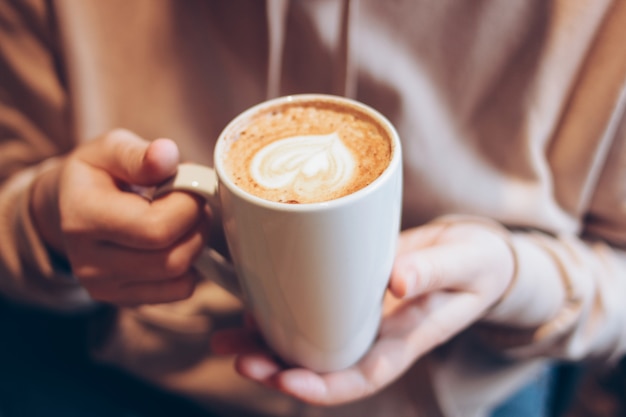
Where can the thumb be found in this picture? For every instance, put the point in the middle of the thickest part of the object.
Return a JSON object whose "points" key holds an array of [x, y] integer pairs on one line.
{"points": [[132, 159]]}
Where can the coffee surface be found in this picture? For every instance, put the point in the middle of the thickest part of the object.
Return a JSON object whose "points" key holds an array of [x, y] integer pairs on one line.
{"points": [[306, 152]]}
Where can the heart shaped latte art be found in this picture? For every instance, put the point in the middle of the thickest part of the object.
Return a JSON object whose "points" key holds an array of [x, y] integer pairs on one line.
{"points": [[303, 164]]}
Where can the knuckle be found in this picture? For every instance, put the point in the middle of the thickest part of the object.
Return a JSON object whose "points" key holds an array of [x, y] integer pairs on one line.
{"points": [[426, 274], [177, 264], [86, 272], [117, 133], [114, 139], [159, 234], [183, 288], [181, 259]]}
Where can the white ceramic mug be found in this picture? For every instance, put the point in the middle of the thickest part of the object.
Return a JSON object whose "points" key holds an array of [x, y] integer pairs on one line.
{"points": [[313, 275]]}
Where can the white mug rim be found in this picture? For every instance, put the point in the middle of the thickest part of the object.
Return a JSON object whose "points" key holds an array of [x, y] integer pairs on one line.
{"points": [[395, 160]]}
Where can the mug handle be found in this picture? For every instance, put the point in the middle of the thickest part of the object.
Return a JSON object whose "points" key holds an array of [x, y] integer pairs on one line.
{"points": [[202, 180]]}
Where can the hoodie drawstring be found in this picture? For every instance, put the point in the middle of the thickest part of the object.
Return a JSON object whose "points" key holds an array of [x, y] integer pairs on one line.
{"points": [[344, 69], [276, 11]]}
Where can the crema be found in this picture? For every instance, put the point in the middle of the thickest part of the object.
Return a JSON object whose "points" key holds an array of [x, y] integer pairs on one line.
{"points": [[307, 152]]}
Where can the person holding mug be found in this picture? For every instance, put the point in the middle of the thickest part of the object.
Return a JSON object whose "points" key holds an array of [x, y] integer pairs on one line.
{"points": [[510, 255]]}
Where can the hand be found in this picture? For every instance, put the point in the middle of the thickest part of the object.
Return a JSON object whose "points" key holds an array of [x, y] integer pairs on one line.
{"points": [[122, 248], [445, 278]]}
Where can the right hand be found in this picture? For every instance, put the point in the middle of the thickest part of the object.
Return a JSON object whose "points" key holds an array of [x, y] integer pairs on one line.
{"points": [[122, 248], [446, 276]]}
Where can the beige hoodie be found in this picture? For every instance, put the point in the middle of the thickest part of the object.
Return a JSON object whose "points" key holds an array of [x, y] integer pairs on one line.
{"points": [[508, 110]]}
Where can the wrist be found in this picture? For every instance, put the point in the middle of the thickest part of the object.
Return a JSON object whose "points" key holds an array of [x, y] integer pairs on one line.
{"points": [[536, 294]]}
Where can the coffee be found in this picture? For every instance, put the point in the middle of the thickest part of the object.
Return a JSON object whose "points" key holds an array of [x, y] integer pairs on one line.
{"points": [[307, 151]]}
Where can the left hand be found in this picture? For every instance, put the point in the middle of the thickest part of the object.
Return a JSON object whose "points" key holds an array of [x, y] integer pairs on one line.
{"points": [[445, 277]]}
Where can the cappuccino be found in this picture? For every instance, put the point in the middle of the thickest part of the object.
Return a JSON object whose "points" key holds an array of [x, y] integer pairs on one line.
{"points": [[306, 151]]}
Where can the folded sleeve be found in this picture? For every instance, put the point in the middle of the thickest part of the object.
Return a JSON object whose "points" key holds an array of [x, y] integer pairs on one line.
{"points": [[35, 132], [567, 299]]}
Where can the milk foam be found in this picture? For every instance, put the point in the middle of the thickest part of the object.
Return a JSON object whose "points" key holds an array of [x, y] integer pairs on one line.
{"points": [[303, 164]]}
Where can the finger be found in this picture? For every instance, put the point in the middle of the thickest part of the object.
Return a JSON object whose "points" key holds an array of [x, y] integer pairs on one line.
{"points": [[405, 336], [254, 361], [157, 225], [388, 358], [127, 219], [135, 294], [323, 390], [427, 322], [434, 268], [260, 367], [422, 316], [378, 368], [132, 159], [105, 261]]}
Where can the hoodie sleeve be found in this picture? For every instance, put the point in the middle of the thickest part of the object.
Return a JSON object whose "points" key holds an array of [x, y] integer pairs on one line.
{"points": [[567, 300], [35, 131]]}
